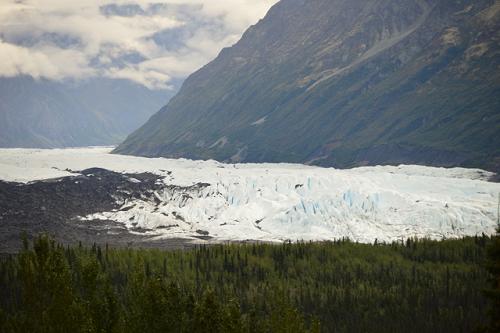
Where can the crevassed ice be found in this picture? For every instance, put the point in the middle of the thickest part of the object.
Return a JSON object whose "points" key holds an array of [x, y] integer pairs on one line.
{"points": [[283, 201]]}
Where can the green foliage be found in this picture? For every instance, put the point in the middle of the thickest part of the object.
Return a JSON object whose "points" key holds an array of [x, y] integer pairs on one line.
{"points": [[493, 293], [418, 286], [47, 297]]}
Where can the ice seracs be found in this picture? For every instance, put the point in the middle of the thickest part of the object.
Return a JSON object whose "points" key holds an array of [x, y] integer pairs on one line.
{"points": [[273, 202]]}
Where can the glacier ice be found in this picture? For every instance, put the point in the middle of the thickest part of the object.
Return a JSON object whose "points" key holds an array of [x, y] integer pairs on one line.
{"points": [[275, 202]]}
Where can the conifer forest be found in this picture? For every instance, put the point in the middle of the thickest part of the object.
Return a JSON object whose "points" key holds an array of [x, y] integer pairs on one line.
{"points": [[413, 286]]}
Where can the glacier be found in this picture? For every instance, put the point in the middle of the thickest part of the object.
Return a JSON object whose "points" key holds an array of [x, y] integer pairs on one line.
{"points": [[277, 202]]}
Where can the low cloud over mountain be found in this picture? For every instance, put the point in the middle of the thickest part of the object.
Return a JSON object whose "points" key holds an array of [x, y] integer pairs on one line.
{"points": [[150, 43]]}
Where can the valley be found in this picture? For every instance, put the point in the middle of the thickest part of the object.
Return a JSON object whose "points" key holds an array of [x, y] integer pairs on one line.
{"points": [[92, 195]]}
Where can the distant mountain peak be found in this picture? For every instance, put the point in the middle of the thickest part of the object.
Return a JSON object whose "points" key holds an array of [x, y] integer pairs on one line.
{"points": [[48, 114]]}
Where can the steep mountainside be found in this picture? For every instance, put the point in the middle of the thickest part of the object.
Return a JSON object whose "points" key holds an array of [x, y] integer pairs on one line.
{"points": [[344, 83], [42, 114]]}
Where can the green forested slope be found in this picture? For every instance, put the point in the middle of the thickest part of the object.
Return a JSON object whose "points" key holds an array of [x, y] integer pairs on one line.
{"points": [[344, 83], [418, 286]]}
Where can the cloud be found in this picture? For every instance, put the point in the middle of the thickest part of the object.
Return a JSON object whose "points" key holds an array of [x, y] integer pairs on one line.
{"points": [[46, 62], [147, 42]]}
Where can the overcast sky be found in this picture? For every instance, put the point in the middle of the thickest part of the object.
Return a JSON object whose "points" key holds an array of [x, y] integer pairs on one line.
{"points": [[147, 42]]}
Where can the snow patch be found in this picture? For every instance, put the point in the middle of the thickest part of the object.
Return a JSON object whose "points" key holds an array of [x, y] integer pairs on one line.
{"points": [[259, 122]]}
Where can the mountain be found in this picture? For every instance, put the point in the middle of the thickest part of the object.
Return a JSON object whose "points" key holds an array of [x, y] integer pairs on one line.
{"points": [[44, 114], [344, 83]]}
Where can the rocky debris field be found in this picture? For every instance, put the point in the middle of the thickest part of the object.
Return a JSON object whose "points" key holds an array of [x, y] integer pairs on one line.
{"points": [[54, 206]]}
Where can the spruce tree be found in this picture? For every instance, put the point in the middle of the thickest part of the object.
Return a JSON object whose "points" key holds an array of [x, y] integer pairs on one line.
{"points": [[493, 293]]}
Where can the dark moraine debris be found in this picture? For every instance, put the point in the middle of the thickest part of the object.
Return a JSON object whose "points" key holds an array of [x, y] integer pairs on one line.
{"points": [[167, 226], [126, 209], [203, 234], [178, 216], [54, 205]]}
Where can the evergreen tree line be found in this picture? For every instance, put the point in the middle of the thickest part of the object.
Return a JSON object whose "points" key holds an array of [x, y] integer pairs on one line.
{"points": [[415, 286]]}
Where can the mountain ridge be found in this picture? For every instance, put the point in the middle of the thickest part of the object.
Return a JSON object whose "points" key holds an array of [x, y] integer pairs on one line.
{"points": [[47, 114], [344, 83]]}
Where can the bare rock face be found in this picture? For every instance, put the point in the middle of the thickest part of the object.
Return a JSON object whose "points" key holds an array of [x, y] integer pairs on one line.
{"points": [[344, 83]]}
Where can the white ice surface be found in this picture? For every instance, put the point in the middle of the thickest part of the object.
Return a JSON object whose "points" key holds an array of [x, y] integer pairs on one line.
{"points": [[283, 201]]}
